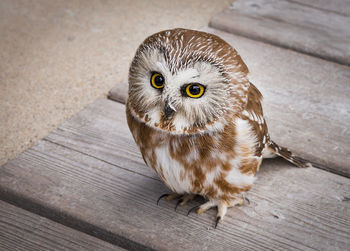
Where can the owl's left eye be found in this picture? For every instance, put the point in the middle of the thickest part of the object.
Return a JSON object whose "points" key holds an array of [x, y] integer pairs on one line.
{"points": [[157, 80], [193, 90]]}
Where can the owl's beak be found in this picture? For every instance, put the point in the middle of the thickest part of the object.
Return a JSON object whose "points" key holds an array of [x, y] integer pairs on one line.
{"points": [[168, 110]]}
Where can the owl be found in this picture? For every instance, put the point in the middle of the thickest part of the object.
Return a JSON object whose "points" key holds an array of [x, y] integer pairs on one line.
{"points": [[197, 118]]}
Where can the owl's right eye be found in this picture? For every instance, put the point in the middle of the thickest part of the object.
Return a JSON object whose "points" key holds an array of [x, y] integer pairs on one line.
{"points": [[157, 80]]}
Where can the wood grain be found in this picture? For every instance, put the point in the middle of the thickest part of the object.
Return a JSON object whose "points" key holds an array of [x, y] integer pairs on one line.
{"points": [[289, 208], [306, 101], [302, 26], [22, 230]]}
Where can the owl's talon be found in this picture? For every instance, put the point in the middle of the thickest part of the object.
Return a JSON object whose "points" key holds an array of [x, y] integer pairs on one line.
{"points": [[178, 203], [192, 209], [218, 219], [246, 199], [162, 196]]}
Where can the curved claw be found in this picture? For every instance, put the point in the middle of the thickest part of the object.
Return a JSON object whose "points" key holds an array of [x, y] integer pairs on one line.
{"points": [[162, 196], [178, 203], [217, 221], [192, 209], [246, 199]]}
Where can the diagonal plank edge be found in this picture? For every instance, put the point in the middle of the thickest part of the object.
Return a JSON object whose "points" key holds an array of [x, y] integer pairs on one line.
{"points": [[69, 186], [290, 24], [119, 93], [305, 101], [55, 214]]}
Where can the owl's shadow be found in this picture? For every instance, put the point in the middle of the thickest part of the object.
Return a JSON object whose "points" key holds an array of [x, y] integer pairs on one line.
{"points": [[270, 166]]}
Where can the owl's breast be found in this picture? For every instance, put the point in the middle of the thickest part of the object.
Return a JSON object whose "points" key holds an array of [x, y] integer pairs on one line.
{"points": [[155, 147], [216, 165], [171, 171]]}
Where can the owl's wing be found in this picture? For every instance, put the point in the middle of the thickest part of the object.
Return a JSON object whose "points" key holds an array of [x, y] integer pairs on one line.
{"points": [[254, 114], [265, 146]]}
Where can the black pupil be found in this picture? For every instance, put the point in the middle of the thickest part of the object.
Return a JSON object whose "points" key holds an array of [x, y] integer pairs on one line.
{"points": [[195, 89], [159, 80]]}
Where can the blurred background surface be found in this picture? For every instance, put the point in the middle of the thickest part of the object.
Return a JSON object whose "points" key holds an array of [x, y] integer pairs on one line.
{"points": [[58, 56]]}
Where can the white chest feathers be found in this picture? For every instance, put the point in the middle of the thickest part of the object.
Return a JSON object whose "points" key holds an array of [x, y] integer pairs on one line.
{"points": [[219, 169]]}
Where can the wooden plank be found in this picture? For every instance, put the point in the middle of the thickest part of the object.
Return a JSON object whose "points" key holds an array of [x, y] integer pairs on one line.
{"points": [[306, 101], [22, 230], [290, 208], [101, 136], [119, 93], [298, 25]]}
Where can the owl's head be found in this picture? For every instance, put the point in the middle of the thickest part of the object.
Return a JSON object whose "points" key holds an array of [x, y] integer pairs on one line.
{"points": [[186, 82]]}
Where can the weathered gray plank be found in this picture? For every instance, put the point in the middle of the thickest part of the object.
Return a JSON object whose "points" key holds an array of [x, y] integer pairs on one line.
{"points": [[290, 208], [22, 230], [297, 25], [306, 100], [101, 136], [119, 93]]}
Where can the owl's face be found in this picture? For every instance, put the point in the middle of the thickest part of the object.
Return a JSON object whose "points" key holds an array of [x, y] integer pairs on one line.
{"points": [[186, 82]]}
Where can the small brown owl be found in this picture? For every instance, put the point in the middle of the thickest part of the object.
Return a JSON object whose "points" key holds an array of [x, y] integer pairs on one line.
{"points": [[197, 119]]}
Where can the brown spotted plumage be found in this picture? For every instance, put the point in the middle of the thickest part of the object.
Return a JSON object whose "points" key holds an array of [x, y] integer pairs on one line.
{"points": [[197, 119]]}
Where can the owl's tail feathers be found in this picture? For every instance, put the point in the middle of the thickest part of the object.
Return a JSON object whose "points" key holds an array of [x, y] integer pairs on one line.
{"points": [[287, 155]]}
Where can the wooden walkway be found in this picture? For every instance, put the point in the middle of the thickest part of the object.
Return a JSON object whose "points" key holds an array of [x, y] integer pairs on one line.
{"points": [[86, 187]]}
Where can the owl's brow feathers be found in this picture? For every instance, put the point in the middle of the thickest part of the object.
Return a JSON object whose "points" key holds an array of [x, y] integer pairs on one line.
{"points": [[182, 48]]}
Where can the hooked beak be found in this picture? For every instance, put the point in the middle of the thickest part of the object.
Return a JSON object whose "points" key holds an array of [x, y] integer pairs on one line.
{"points": [[169, 109]]}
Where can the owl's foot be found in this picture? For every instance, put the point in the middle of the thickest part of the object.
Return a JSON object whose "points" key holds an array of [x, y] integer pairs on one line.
{"points": [[220, 204], [182, 201]]}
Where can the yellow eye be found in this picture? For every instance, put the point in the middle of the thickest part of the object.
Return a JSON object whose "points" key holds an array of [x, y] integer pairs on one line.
{"points": [[195, 90], [157, 80]]}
